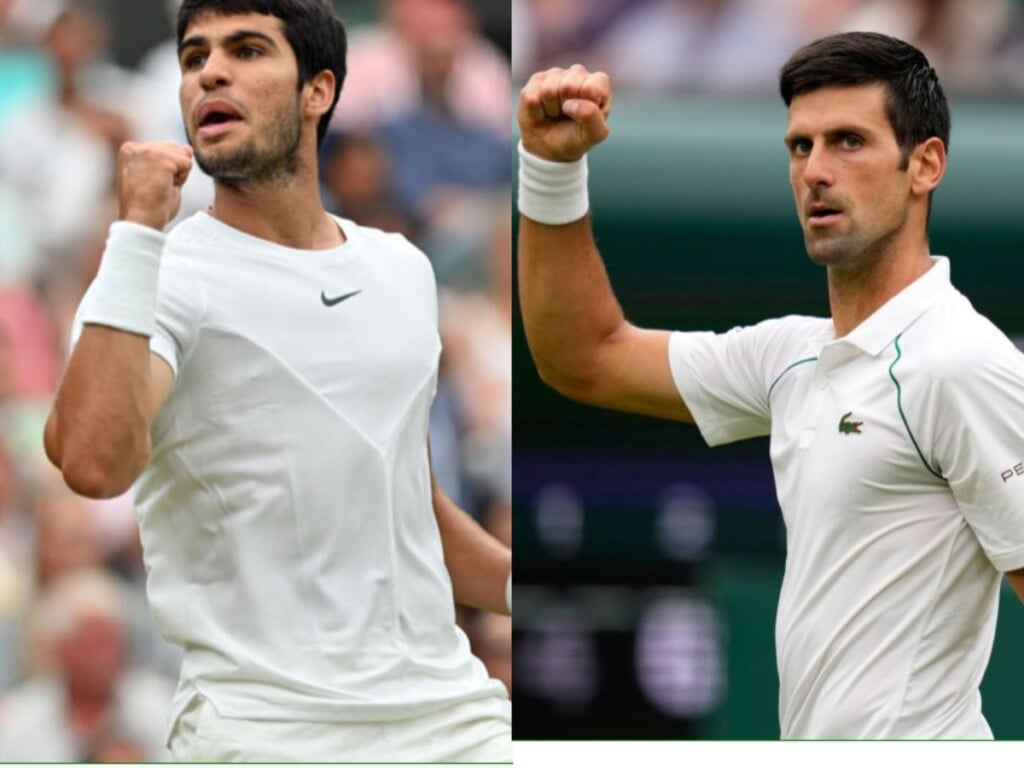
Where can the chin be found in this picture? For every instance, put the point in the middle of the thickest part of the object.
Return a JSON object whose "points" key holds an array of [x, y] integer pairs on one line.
{"points": [[826, 254]]}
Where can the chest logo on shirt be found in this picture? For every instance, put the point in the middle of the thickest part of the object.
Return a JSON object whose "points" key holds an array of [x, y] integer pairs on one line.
{"points": [[337, 299], [847, 427]]}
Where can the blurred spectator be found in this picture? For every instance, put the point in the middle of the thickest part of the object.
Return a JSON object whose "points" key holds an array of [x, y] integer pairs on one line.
{"points": [[739, 45], [28, 348], [961, 38], [14, 585], [476, 329], [438, 163], [79, 126], [444, 117], [524, 40], [66, 538], [74, 533], [357, 179], [94, 697], [387, 63]]}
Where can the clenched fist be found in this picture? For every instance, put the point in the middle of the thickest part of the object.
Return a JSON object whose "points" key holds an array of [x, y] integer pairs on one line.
{"points": [[149, 180], [564, 112]]}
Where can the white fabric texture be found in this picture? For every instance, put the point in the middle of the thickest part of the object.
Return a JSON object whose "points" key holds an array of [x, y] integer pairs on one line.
{"points": [[890, 449], [473, 731], [285, 513]]}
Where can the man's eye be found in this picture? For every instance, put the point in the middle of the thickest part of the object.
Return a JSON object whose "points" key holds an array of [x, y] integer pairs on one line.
{"points": [[250, 52], [801, 147], [850, 141], [193, 60]]}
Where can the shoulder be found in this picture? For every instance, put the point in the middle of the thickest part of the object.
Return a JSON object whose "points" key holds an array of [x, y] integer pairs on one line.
{"points": [[952, 342], [191, 232], [781, 341], [392, 246], [955, 361], [789, 329]]}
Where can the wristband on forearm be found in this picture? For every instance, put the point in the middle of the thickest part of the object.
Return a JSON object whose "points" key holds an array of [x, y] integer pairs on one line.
{"points": [[123, 295], [552, 193]]}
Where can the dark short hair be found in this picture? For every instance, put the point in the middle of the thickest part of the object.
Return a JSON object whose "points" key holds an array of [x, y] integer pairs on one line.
{"points": [[313, 30], [915, 103]]}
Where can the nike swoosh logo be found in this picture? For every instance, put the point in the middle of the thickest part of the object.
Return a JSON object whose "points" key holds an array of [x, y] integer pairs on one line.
{"points": [[338, 299]]}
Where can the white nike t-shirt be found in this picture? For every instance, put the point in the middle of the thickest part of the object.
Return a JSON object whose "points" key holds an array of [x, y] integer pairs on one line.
{"points": [[286, 516]]}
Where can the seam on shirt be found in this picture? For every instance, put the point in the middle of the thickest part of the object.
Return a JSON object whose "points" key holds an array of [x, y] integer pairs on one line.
{"points": [[786, 370], [899, 406]]}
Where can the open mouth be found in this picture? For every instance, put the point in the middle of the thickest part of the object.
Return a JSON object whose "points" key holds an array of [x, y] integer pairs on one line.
{"points": [[823, 215], [217, 118]]}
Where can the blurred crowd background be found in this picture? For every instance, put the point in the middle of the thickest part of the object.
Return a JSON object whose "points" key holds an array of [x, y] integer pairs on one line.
{"points": [[419, 144], [738, 46], [648, 566]]}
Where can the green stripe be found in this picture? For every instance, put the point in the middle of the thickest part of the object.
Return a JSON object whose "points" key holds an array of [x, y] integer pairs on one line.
{"points": [[899, 405], [785, 371]]}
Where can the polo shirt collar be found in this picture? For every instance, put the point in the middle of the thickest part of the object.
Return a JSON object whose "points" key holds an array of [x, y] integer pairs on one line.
{"points": [[898, 313]]}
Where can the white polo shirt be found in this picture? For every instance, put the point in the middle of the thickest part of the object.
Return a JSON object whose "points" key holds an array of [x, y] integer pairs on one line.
{"points": [[896, 452]]}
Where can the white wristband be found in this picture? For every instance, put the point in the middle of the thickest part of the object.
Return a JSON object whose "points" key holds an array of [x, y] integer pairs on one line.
{"points": [[123, 295], [552, 193], [508, 592]]}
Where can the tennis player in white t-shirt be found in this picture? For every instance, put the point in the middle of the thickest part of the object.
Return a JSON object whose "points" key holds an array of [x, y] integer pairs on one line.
{"points": [[896, 425], [264, 374]]}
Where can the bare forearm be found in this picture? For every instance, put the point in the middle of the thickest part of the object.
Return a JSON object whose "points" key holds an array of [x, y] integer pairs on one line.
{"points": [[569, 308], [98, 434], [478, 564]]}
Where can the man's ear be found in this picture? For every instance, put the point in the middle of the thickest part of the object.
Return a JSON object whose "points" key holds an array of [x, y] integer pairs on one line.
{"points": [[319, 93], [927, 165]]}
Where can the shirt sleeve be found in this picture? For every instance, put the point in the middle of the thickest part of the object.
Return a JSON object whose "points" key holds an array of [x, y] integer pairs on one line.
{"points": [[978, 446], [180, 307], [723, 379]]}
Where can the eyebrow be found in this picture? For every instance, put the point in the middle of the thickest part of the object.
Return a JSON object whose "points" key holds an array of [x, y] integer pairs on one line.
{"points": [[198, 41]]}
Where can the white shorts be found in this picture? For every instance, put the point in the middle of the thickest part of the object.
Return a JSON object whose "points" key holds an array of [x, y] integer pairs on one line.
{"points": [[474, 731]]}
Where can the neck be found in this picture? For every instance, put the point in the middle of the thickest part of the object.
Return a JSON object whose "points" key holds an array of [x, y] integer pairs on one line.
{"points": [[288, 211], [854, 294]]}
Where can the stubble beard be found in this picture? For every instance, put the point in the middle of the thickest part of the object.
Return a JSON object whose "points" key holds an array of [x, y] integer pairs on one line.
{"points": [[276, 162], [852, 250]]}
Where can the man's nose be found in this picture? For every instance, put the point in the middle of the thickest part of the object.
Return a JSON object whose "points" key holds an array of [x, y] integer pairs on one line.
{"points": [[215, 72], [818, 168]]}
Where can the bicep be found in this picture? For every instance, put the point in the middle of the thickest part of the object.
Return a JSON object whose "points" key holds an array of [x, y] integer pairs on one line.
{"points": [[161, 381], [635, 375]]}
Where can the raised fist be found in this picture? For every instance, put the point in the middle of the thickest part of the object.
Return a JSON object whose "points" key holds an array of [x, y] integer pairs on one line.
{"points": [[564, 112], [149, 180]]}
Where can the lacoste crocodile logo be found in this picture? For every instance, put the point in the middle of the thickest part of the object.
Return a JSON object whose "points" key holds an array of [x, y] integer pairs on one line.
{"points": [[849, 427], [337, 299]]}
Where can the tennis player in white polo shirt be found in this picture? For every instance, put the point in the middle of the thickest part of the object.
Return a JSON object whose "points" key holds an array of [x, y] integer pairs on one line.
{"points": [[265, 373], [896, 425]]}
